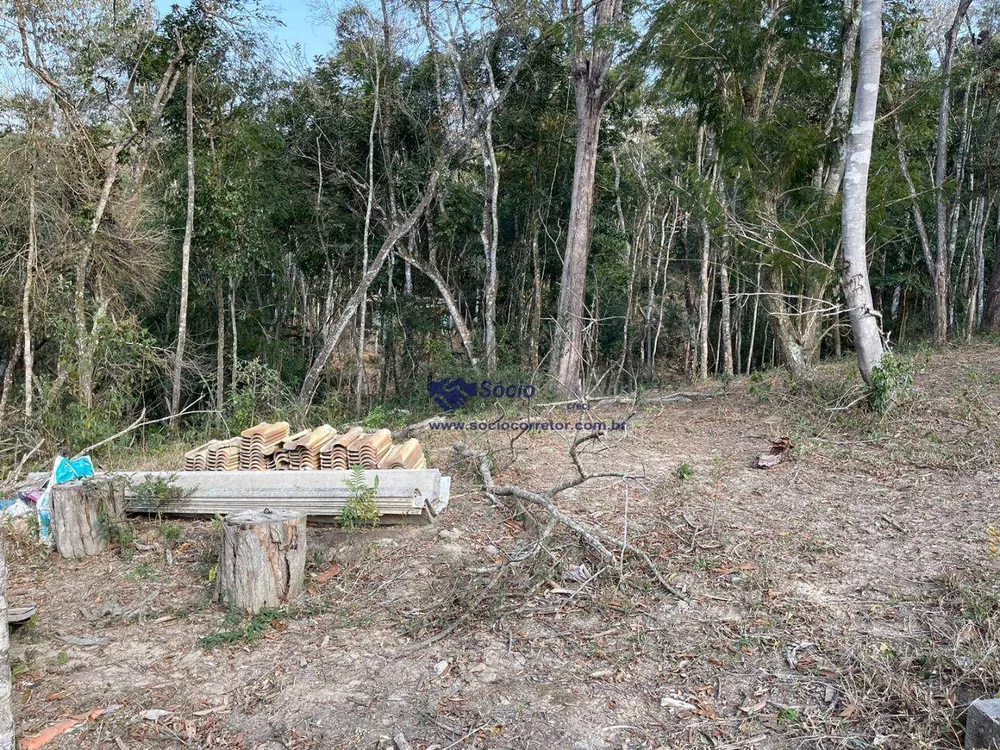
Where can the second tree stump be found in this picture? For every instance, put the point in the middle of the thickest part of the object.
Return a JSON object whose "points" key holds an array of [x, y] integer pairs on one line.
{"points": [[79, 514], [263, 558]]}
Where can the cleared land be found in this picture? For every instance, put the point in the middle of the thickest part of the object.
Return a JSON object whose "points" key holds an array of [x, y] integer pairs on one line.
{"points": [[845, 599]]}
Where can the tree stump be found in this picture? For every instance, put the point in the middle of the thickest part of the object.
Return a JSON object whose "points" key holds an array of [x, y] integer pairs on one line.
{"points": [[263, 558], [79, 516]]}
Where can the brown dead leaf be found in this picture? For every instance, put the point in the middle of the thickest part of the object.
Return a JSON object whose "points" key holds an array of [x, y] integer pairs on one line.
{"points": [[849, 712], [327, 574], [61, 727], [707, 710]]}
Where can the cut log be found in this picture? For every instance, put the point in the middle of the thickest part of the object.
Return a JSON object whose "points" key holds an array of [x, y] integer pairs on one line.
{"points": [[79, 516], [263, 558]]}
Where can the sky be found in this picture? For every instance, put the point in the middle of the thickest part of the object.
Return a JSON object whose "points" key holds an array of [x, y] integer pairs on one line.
{"points": [[300, 26]]}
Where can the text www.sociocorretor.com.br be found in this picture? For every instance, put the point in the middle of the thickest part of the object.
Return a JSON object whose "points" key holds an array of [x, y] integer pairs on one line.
{"points": [[539, 425]]}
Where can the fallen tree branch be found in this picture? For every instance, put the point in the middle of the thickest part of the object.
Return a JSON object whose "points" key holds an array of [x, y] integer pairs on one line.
{"points": [[12, 478], [594, 537], [679, 397], [138, 423], [413, 429]]}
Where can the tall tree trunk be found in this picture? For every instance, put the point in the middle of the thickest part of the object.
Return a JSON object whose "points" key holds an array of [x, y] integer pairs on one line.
{"points": [[535, 329], [29, 281], [220, 346], [8, 376], [490, 235], [369, 207], [941, 264], [977, 281], [232, 325], [991, 301], [840, 109], [725, 326], [857, 290], [175, 400], [753, 324], [590, 73], [703, 307], [490, 232]]}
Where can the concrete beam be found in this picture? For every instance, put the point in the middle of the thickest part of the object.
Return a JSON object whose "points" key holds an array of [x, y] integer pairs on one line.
{"points": [[982, 725]]}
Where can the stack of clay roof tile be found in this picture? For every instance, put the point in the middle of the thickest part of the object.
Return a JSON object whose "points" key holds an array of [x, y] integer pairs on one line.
{"points": [[269, 446], [215, 455], [224, 455], [409, 455], [368, 450], [282, 457], [333, 455], [259, 444], [302, 451], [196, 459]]}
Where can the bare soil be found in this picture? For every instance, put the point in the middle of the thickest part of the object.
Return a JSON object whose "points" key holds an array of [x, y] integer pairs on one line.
{"points": [[845, 599]]}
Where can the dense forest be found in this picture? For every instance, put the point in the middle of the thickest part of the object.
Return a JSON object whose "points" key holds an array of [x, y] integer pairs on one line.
{"points": [[592, 197]]}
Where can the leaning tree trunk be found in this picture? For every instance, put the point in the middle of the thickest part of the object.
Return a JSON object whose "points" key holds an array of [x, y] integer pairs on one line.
{"points": [[175, 399], [335, 328], [263, 559], [857, 290]]}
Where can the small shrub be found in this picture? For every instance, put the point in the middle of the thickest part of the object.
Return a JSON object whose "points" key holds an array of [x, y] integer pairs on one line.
{"points": [[171, 533], [891, 381], [361, 509], [143, 572], [788, 715], [241, 629], [760, 387], [685, 471], [154, 493]]}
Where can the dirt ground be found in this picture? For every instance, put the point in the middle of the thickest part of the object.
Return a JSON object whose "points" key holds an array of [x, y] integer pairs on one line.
{"points": [[847, 598]]}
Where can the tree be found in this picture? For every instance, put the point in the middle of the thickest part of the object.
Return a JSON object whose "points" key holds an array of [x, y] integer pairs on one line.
{"points": [[857, 289], [591, 64], [175, 400]]}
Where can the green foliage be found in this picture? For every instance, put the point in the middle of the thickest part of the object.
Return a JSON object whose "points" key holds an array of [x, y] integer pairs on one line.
{"points": [[361, 510], [259, 394], [171, 532], [241, 629], [788, 715], [143, 572], [890, 382], [760, 386], [156, 492], [685, 472]]}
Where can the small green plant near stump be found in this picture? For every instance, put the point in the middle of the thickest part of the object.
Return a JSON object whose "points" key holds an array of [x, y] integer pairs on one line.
{"points": [[238, 628], [360, 510], [891, 382]]}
